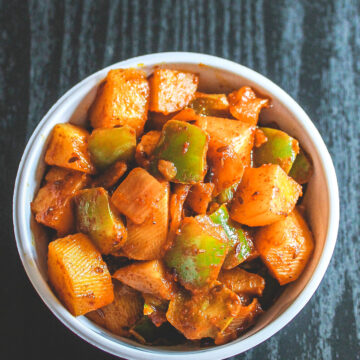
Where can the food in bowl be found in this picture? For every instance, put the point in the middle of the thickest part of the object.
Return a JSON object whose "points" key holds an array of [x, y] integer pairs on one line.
{"points": [[174, 216]]}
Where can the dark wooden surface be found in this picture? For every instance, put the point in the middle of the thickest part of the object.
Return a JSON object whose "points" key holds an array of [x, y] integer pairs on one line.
{"points": [[310, 48]]}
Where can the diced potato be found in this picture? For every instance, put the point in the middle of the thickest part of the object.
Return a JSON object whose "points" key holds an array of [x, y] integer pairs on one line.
{"points": [[110, 176], [79, 275], [285, 247], [68, 148], [148, 277], [230, 146], [96, 218], [200, 196], [107, 146], [123, 313], [52, 205], [245, 318], [176, 210], [147, 241], [146, 147], [136, 196], [242, 282], [204, 314], [245, 105], [264, 196], [210, 105], [198, 253], [171, 90], [123, 99]]}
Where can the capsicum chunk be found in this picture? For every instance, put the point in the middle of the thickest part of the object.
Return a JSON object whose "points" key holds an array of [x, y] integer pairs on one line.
{"points": [[280, 148], [302, 168], [107, 146], [96, 218], [210, 105], [184, 146], [198, 252], [240, 245]]}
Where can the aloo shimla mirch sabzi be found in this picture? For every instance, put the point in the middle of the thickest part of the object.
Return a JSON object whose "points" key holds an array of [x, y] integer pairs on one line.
{"points": [[173, 215]]}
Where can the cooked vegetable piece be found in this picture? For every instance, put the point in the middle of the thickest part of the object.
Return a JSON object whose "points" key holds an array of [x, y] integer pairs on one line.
{"points": [[285, 247], [198, 253], [107, 146], [146, 147], [186, 114], [302, 168], [230, 146], [200, 196], [210, 105], [68, 148], [110, 176], [122, 99], [240, 244], [264, 196], [146, 241], [245, 318], [227, 194], [95, 218], [177, 200], [242, 282], [136, 196], [148, 277], [205, 314], [123, 313], [245, 105], [52, 205], [185, 146], [171, 90], [78, 274], [280, 148], [157, 120], [156, 309]]}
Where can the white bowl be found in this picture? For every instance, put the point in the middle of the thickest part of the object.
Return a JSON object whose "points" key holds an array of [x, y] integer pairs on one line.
{"points": [[216, 75]]}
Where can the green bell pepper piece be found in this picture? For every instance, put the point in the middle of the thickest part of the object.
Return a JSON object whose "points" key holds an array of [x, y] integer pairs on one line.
{"points": [[185, 146], [106, 146], [227, 194], [95, 218], [239, 246], [198, 252], [210, 105], [280, 149], [302, 168]]}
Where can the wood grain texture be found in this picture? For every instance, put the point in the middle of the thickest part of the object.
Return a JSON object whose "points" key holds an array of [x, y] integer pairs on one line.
{"points": [[310, 48]]}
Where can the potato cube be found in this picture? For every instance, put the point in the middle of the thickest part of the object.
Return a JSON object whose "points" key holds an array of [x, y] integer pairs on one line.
{"points": [[78, 274], [137, 194], [123, 99], [264, 196], [147, 241], [285, 247], [245, 105], [148, 277], [68, 148], [171, 90], [200, 196], [52, 204], [230, 146], [122, 313]]}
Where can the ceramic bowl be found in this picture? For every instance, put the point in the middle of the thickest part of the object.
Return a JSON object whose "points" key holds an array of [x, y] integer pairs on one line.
{"points": [[216, 75]]}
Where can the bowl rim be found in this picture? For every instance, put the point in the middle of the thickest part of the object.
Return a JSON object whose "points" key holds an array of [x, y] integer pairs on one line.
{"points": [[223, 351]]}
